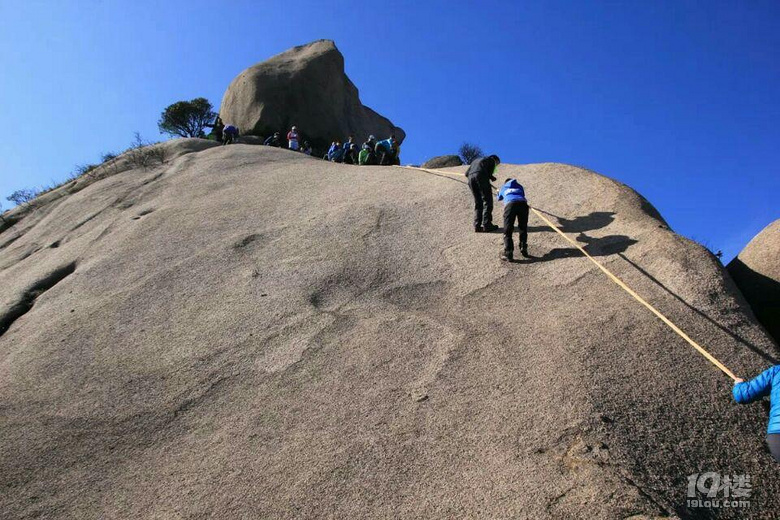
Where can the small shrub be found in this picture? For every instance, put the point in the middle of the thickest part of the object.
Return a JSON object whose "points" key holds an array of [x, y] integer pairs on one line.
{"points": [[108, 156], [468, 152], [158, 152], [142, 154], [22, 196], [82, 169]]}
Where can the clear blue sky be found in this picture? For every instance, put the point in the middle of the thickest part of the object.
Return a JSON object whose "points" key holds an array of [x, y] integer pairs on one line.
{"points": [[678, 99]]}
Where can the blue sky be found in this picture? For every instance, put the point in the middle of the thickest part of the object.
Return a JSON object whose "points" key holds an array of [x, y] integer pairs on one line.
{"points": [[678, 99]]}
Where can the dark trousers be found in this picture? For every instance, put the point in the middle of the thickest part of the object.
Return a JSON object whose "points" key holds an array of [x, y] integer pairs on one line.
{"points": [[773, 441], [483, 200], [385, 157], [515, 210]]}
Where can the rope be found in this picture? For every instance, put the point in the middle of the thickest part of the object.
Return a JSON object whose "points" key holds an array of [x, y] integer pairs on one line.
{"points": [[712, 359]]}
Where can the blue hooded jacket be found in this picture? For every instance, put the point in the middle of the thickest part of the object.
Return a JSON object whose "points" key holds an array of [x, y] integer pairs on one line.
{"points": [[387, 144], [512, 191], [335, 153], [766, 383]]}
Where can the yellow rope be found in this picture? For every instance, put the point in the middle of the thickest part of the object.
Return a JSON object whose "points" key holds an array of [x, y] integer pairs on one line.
{"points": [[620, 282]]}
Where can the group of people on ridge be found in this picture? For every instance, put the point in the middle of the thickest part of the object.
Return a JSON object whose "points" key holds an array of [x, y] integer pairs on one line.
{"points": [[372, 152]]}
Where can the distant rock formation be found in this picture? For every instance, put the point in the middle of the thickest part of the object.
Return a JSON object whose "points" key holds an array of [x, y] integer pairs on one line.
{"points": [[443, 161], [756, 271], [305, 86]]}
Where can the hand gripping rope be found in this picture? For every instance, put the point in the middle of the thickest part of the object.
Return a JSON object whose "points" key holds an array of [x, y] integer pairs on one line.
{"points": [[712, 359]]}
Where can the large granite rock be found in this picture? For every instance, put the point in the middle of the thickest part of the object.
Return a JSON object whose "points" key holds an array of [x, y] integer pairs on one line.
{"points": [[305, 86], [756, 270], [208, 336], [443, 161]]}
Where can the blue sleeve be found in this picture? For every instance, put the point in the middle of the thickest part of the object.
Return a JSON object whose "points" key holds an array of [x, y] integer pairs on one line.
{"points": [[501, 194], [756, 388]]}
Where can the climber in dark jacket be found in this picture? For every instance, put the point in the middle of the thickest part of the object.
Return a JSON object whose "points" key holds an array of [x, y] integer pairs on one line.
{"points": [[274, 140], [766, 383], [515, 207], [229, 134], [479, 174]]}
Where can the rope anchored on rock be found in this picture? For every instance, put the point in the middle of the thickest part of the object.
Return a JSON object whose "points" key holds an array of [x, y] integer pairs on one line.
{"points": [[712, 359]]}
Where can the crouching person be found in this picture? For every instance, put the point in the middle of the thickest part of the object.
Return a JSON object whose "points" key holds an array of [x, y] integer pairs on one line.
{"points": [[766, 383], [229, 134], [515, 208], [387, 151]]}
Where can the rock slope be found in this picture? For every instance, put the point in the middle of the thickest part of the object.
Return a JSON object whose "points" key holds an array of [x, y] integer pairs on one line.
{"points": [[247, 332]]}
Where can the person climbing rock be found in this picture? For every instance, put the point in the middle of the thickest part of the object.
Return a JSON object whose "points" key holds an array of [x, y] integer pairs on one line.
{"points": [[515, 207], [479, 174], [386, 151], [350, 151], [274, 140], [229, 134], [367, 155], [216, 129], [766, 383], [292, 138], [370, 143], [306, 148]]}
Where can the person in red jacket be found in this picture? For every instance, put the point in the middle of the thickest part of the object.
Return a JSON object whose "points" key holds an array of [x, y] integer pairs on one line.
{"points": [[292, 139]]}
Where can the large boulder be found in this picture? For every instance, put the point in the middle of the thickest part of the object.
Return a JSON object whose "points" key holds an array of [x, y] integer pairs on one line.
{"points": [[443, 161], [756, 270], [305, 86]]}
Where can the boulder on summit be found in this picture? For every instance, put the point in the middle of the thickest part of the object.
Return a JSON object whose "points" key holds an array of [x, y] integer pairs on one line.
{"points": [[304, 86], [756, 271], [443, 161]]}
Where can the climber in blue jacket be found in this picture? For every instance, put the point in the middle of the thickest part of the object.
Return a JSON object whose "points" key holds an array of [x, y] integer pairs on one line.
{"points": [[336, 152], [766, 383], [515, 207], [387, 151]]}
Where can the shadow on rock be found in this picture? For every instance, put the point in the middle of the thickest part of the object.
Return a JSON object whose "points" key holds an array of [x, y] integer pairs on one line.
{"points": [[734, 335], [761, 292]]}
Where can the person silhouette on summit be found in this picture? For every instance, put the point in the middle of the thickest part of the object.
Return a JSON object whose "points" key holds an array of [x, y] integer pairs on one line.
{"points": [[216, 128], [387, 151], [229, 134], [274, 140], [367, 155], [515, 207], [480, 173], [350, 151], [292, 138], [766, 383]]}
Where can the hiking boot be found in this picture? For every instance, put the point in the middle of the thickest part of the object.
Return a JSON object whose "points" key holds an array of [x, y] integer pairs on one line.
{"points": [[524, 250], [490, 227], [478, 229], [507, 256]]}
